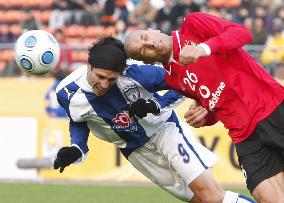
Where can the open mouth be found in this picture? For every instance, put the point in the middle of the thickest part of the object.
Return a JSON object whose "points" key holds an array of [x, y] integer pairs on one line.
{"points": [[97, 88]]}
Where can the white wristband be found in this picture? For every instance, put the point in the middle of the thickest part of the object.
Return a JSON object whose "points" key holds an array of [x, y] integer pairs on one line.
{"points": [[206, 48], [82, 158]]}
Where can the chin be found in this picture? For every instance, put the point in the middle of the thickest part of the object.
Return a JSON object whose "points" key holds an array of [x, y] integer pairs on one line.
{"points": [[100, 93]]}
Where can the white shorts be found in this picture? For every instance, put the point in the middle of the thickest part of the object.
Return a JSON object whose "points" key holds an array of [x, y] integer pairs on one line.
{"points": [[172, 159]]}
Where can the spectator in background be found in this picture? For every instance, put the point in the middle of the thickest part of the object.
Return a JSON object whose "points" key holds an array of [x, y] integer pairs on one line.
{"points": [[122, 12], [185, 7], [121, 30], [145, 11], [30, 22], [142, 24], [108, 13], [77, 8], [248, 22], [258, 31], [280, 13], [260, 12], [166, 16], [273, 55], [91, 12], [60, 14], [109, 7], [242, 14]]}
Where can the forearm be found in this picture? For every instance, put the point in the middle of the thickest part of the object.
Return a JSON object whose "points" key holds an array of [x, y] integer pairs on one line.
{"points": [[232, 38], [79, 133]]}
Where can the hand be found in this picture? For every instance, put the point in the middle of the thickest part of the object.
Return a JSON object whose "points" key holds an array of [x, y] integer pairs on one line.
{"points": [[65, 157], [195, 116], [141, 107], [190, 54]]}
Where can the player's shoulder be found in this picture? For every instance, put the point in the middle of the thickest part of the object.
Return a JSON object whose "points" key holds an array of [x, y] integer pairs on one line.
{"points": [[139, 69], [76, 75], [198, 15]]}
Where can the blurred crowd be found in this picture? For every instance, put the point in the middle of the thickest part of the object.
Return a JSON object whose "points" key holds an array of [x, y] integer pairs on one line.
{"points": [[265, 19]]}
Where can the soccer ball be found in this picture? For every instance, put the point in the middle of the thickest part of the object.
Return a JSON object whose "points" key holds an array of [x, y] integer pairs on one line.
{"points": [[37, 52]]}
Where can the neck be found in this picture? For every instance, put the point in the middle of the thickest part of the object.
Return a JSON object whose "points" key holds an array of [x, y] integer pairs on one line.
{"points": [[166, 59]]}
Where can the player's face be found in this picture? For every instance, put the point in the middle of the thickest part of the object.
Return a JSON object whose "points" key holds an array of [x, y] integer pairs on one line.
{"points": [[101, 80], [149, 46]]}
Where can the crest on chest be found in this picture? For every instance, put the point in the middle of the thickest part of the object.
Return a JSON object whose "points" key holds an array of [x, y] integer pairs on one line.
{"points": [[131, 93], [190, 42]]}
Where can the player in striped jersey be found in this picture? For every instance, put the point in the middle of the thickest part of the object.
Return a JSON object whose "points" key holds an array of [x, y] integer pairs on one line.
{"points": [[121, 106]]}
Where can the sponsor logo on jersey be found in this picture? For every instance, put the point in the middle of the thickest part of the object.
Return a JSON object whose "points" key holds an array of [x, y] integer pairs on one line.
{"points": [[69, 93], [122, 122], [215, 96], [190, 42], [131, 93]]}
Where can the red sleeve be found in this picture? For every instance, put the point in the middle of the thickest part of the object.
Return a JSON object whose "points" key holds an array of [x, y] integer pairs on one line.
{"points": [[220, 35], [210, 119]]}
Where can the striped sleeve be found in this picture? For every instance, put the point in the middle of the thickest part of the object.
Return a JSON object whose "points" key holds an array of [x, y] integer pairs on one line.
{"points": [[79, 131]]}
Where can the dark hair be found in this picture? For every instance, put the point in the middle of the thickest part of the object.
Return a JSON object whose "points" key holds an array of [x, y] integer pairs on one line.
{"points": [[108, 53]]}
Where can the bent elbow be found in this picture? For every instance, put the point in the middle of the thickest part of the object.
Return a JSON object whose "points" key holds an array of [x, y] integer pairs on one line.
{"points": [[248, 36]]}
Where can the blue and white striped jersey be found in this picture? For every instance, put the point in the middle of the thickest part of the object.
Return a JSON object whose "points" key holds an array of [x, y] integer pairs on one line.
{"points": [[105, 116]]}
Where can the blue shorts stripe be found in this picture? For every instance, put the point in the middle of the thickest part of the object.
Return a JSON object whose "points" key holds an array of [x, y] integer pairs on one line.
{"points": [[173, 118], [246, 198]]}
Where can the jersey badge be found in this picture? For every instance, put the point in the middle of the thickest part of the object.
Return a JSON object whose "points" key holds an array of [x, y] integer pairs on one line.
{"points": [[131, 93], [122, 122]]}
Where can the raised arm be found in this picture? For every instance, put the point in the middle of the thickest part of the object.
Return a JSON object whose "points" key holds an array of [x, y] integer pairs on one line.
{"points": [[79, 133], [220, 35], [217, 36]]}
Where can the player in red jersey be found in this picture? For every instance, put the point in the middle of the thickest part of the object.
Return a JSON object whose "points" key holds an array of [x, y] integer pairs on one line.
{"points": [[205, 61]]}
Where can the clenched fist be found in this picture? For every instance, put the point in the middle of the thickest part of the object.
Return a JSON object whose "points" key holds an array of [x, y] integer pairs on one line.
{"points": [[195, 116], [190, 54], [65, 157], [142, 107]]}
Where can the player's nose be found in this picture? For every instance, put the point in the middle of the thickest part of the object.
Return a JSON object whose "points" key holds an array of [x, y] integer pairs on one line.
{"points": [[104, 84], [149, 43]]}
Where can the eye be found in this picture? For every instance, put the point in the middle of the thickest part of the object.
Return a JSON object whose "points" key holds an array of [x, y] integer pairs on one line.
{"points": [[145, 36], [112, 79], [99, 76]]}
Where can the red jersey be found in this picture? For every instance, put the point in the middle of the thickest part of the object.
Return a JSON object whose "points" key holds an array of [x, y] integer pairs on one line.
{"points": [[234, 88]]}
